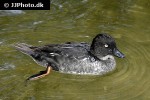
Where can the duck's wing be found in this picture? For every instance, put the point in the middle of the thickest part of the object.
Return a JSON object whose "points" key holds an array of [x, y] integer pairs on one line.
{"points": [[55, 54], [67, 50]]}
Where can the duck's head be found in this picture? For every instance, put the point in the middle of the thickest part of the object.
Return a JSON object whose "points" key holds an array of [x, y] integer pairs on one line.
{"points": [[103, 45]]}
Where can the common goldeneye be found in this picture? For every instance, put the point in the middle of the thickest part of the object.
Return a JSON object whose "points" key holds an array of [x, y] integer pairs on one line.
{"points": [[75, 58]]}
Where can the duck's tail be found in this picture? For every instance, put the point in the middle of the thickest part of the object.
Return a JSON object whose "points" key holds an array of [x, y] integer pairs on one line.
{"points": [[25, 48]]}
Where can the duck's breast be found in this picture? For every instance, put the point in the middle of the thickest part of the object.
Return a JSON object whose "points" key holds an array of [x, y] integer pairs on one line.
{"points": [[88, 66]]}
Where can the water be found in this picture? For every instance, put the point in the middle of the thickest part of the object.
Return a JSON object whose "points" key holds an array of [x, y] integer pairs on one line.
{"points": [[126, 20]]}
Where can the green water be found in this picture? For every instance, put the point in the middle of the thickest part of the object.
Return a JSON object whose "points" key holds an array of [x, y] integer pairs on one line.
{"points": [[77, 20]]}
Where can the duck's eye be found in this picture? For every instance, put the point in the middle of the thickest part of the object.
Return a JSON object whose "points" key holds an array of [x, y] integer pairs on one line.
{"points": [[106, 45]]}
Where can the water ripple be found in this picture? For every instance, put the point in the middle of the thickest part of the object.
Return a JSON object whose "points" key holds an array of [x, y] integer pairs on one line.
{"points": [[129, 81]]}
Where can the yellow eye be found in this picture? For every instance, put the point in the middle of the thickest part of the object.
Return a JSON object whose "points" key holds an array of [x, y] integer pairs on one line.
{"points": [[106, 45]]}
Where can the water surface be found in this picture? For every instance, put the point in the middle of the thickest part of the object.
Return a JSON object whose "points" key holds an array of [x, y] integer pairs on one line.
{"points": [[126, 20]]}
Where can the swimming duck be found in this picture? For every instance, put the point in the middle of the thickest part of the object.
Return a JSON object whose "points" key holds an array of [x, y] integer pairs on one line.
{"points": [[75, 58]]}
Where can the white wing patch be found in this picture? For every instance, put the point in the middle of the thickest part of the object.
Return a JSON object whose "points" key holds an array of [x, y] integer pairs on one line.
{"points": [[54, 54], [66, 47]]}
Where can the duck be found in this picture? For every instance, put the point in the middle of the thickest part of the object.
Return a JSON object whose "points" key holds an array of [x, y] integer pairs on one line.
{"points": [[95, 58]]}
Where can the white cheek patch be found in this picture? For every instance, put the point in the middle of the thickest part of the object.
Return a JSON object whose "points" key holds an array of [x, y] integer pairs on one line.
{"points": [[107, 57]]}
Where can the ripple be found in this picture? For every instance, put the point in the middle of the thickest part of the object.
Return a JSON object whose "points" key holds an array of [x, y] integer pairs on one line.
{"points": [[7, 66], [129, 81], [10, 12]]}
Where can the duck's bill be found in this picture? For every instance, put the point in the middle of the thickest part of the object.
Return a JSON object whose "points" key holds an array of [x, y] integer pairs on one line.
{"points": [[117, 53]]}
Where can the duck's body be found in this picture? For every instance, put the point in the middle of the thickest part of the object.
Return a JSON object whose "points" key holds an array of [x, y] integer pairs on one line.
{"points": [[76, 58]]}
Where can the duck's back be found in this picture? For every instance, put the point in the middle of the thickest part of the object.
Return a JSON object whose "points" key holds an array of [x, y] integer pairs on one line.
{"points": [[60, 56]]}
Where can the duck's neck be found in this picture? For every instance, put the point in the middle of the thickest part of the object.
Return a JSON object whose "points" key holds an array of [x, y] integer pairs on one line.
{"points": [[96, 51], [110, 62]]}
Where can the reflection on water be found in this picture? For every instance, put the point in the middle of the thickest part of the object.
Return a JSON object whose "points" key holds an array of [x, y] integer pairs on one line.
{"points": [[10, 12], [127, 21]]}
